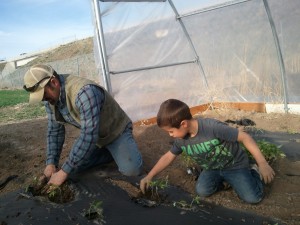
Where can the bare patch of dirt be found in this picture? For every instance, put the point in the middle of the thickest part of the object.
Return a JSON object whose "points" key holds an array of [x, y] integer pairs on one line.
{"points": [[23, 146]]}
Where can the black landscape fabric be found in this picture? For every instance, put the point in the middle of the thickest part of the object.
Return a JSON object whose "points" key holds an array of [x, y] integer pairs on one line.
{"points": [[119, 208]]}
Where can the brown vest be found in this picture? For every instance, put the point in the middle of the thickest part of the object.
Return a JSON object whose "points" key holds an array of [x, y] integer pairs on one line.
{"points": [[113, 118]]}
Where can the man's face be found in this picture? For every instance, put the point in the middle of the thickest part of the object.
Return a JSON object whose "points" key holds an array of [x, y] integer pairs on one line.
{"points": [[52, 91]]}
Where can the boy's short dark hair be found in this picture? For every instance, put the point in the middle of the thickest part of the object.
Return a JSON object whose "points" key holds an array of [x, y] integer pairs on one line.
{"points": [[172, 112]]}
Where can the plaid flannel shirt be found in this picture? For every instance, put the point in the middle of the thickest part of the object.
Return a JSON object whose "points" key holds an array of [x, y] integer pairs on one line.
{"points": [[89, 102]]}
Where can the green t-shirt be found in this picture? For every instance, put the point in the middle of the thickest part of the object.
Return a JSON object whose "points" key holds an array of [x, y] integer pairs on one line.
{"points": [[214, 147]]}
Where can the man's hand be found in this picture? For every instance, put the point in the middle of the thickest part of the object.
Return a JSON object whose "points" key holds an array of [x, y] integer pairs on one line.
{"points": [[49, 170], [145, 183], [55, 181], [58, 178], [267, 172]]}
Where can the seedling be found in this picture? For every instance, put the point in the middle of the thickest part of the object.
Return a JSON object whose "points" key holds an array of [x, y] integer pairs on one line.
{"points": [[270, 151], [188, 161], [35, 187], [183, 204], [196, 200], [53, 191], [156, 185], [95, 211], [191, 165]]}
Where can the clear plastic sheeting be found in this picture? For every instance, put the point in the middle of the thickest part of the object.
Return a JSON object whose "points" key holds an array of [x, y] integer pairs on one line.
{"points": [[286, 15], [212, 51]]}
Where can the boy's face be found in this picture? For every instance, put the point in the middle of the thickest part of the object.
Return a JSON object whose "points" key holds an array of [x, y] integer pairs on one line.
{"points": [[180, 132]]}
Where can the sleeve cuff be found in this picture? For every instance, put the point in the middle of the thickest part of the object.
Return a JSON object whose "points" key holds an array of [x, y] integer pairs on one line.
{"points": [[51, 161], [67, 168]]}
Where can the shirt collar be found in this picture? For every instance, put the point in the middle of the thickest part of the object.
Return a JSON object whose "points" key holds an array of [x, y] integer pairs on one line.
{"points": [[62, 96]]}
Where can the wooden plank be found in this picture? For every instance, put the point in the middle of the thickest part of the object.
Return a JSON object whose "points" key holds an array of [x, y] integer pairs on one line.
{"points": [[245, 106]]}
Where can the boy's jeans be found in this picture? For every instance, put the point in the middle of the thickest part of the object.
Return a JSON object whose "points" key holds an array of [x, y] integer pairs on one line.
{"points": [[245, 182], [123, 151]]}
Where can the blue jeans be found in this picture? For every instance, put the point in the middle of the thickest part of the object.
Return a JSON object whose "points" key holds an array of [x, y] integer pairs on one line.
{"points": [[123, 151], [245, 182]]}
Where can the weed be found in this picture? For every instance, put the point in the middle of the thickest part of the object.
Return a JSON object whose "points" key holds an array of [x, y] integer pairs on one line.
{"points": [[292, 132]]}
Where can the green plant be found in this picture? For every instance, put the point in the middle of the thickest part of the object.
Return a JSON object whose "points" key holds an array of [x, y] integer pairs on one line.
{"points": [[188, 160], [159, 184], [53, 191], [181, 204], [184, 204], [35, 180], [196, 200], [95, 211], [292, 132], [270, 151], [29, 187]]}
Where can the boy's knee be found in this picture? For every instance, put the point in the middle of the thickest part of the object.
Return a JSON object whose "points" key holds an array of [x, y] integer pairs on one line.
{"points": [[204, 192], [253, 200]]}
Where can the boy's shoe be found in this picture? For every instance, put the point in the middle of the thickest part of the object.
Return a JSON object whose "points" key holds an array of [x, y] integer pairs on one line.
{"points": [[193, 171], [255, 167], [226, 186]]}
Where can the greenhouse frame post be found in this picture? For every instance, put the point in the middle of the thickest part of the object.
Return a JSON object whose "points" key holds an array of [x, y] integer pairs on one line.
{"points": [[279, 54], [101, 46], [189, 40]]}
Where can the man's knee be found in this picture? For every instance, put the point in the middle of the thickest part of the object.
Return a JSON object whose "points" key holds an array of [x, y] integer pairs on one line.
{"points": [[134, 170]]}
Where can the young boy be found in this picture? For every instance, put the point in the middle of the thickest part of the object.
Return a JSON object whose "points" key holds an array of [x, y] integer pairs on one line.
{"points": [[215, 147]]}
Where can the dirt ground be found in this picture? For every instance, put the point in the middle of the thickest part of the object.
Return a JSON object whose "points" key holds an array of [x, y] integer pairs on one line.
{"points": [[23, 146]]}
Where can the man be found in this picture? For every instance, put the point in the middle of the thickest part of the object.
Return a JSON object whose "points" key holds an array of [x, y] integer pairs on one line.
{"points": [[105, 129]]}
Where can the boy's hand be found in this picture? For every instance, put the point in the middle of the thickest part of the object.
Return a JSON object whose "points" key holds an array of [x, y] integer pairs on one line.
{"points": [[145, 183], [267, 172]]}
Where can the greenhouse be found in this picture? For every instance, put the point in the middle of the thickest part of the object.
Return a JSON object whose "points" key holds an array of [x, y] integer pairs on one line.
{"points": [[242, 51]]}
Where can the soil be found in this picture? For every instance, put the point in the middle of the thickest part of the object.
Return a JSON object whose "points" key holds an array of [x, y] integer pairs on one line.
{"points": [[23, 146]]}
